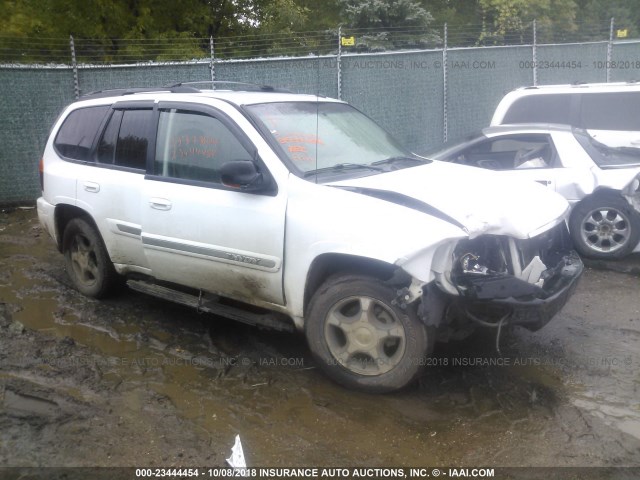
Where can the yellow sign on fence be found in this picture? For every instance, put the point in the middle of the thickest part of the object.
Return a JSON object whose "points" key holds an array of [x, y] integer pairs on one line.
{"points": [[348, 41], [622, 33]]}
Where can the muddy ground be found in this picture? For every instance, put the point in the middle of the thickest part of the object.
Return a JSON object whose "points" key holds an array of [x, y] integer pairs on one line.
{"points": [[135, 381]]}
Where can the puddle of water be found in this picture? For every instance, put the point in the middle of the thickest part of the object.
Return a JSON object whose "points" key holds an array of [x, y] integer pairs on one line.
{"points": [[45, 314], [28, 405], [632, 427], [625, 418]]}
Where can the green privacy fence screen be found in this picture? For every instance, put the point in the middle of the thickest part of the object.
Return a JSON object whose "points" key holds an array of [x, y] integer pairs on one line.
{"points": [[421, 97]]}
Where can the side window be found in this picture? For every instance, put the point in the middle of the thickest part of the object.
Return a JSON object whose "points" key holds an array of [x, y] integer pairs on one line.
{"points": [[529, 151], [550, 108], [125, 141], [513, 152], [107, 146], [611, 111], [193, 146], [76, 136]]}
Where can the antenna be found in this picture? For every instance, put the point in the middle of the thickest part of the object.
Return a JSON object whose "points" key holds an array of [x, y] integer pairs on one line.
{"points": [[317, 139]]}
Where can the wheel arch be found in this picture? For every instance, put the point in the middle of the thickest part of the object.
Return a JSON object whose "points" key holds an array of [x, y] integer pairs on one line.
{"points": [[63, 214], [330, 264], [599, 192], [604, 191]]}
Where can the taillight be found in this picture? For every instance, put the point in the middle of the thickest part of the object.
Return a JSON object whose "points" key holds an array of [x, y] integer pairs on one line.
{"points": [[41, 171]]}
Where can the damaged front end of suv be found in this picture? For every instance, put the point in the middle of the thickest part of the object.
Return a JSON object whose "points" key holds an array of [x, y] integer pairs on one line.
{"points": [[497, 280]]}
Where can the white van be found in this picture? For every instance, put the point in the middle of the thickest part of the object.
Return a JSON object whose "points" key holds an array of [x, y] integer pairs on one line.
{"points": [[610, 112]]}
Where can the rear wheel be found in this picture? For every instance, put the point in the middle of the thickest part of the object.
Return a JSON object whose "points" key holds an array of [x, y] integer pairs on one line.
{"points": [[87, 261], [604, 226], [361, 339]]}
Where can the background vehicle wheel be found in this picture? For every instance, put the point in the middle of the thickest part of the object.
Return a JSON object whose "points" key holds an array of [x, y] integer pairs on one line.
{"points": [[87, 261], [604, 226], [361, 340]]}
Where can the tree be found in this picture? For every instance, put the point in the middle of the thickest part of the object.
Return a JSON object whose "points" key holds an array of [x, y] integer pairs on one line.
{"points": [[594, 17], [324, 15], [130, 30], [510, 21], [270, 28], [385, 24], [105, 30], [463, 18]]}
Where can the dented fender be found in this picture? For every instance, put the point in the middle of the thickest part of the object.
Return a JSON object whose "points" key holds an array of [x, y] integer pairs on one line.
{"points": [[631, 192]]}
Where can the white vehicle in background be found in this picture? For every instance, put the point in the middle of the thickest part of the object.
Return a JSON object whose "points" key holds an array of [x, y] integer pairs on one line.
{"points": [[610, 112], [299, 212], [600, 182]]}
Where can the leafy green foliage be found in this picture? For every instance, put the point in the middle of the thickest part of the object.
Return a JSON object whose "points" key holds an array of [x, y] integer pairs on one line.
{"points": [[511, 21], [399, 24], [594, 17], [142, 30]]}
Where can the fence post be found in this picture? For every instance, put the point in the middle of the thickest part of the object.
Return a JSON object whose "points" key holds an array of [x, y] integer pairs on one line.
{"points": [[339, 62], [74, 66], [535, 54], [212, 65], [445, 113], [609, 51]]}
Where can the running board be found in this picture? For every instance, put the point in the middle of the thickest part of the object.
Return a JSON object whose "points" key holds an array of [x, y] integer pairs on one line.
{"points": [[271, 320]]}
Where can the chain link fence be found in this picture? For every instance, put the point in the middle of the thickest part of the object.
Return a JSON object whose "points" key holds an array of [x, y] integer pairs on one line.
{"points": [[422, 96]]}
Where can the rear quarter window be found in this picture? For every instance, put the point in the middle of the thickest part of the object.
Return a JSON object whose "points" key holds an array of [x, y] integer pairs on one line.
{"points": [[76, 135], [611, 111], [550, 108]]}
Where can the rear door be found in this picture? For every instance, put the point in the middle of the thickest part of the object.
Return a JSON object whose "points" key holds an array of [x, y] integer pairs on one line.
{"points": [[195, 230], [109, 187]]}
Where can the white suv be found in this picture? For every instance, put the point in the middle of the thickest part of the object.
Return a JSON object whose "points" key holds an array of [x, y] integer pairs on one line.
{"points": [[608, 111], [299, 212]]}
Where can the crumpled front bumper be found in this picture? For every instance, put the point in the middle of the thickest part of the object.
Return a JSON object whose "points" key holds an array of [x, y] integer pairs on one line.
{"points": [[519, 302]]}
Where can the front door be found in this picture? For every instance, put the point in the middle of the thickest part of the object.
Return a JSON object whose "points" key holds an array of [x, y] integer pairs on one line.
{"points": [[198, 232]]}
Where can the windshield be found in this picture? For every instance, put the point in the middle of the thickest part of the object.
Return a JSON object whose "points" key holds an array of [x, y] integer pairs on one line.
{"points": [[605, 156], [330, 137]]}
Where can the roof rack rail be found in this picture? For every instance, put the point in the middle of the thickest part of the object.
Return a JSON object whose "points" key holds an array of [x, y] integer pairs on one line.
{"points": [[117, 92], [243, 86], [183, 87]]}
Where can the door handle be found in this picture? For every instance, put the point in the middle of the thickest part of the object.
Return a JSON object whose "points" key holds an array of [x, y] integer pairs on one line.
{"points": [[160, 203], [546, 183], [92, 187]]}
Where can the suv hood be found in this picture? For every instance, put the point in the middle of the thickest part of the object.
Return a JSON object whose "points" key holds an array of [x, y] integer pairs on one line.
{"points": [[476, 200]]}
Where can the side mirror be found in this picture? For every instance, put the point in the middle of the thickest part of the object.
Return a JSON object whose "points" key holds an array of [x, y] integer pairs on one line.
{"points": [[241, 174]]}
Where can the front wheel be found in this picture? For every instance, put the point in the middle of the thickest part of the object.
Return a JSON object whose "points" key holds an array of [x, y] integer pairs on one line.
{"points": [[87, 261], [361, 339], [604, 226]]}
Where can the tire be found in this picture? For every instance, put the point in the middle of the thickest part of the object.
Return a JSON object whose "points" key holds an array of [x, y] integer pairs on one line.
{"points": [[87, 261], [376, 356], [604, 226]]}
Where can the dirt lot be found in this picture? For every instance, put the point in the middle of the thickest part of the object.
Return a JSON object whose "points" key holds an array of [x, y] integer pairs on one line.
{"points": [[135, 381]]}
